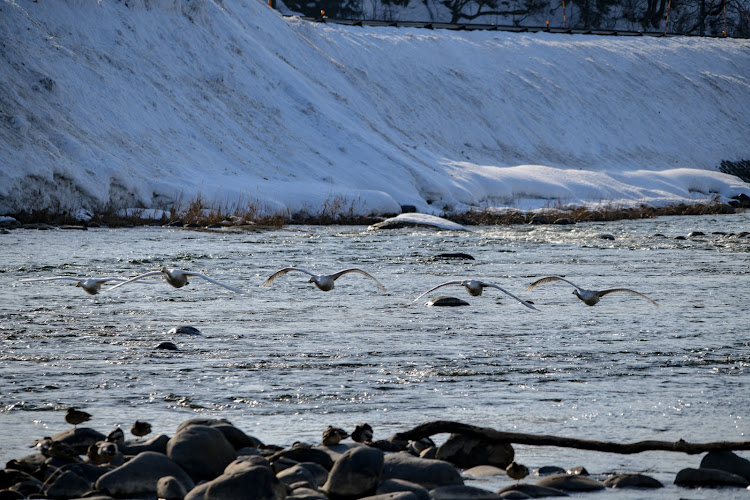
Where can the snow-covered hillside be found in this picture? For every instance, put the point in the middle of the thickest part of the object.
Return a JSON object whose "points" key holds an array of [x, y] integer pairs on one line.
{"points": [[144, 102]]}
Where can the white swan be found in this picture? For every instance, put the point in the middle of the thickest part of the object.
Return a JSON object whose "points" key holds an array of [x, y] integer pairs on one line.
{"points": [[92, 286], [177, 278], [322, 281], [475, 288], [588, 297]]}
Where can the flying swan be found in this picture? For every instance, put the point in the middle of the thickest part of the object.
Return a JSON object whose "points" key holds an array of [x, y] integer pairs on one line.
{"points": [[177, 278], [322, 281], [475, 288], [588, 297], [92, 286]]}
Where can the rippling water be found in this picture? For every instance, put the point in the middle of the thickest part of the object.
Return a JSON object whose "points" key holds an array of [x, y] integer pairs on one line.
{"points": [[284, 362]]}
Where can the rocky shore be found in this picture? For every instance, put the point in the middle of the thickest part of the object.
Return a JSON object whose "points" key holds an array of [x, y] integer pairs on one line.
{"points": [[212, 459]]}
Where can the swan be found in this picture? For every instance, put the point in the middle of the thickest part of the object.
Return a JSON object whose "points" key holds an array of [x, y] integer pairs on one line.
{"points": [[92, 286], [588, 297], [177, 278], [475, 288], [322, 281]]}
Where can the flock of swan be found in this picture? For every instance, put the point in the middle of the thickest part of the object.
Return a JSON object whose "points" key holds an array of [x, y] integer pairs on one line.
{"points": [[325, 282]]}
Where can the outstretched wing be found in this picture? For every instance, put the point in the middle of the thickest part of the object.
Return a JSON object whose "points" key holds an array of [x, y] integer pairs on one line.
{"points": [[336, 276], [612, 290], [439, 286], [549, 279], [211, 280], [70, 278], [507, 292], [144, 275], [282, 272]]}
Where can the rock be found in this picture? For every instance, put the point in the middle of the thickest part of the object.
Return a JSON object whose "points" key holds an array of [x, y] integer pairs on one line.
{"points": [[168, 346], [410, 209], [170, 488], [539, 219], [548, 470], [484, 471], [454, 255], [396, 485], [68, 485], [514, 495], [578, 471], [632, 481], [79, 439], [356, 474], [157, 443], [694, 234], [532, 491], [727, 461], [304, 454], [243, 481], [296, 474], [184, 330], [466, 452], [202, 451], [397, 495], [427, 473], [709, 477], [564, 221], [306, 494], [606, 236], [317, 471], [443, 301], [462, 492], [237, 438], [140, 476], [567, 482]]}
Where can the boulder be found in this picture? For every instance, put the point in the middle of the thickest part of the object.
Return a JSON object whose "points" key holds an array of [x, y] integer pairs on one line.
{"points": [[396, 485], [356, 474], [467, 451], [396, 495], [296, 474], [140, 476], [304, 454], [306, 494], [79, 439], [427, 473], [243, 481], [548, 470], [727, 461], [68, 485], [567, 482], [157, 443], [445, 301], [484, 471], [202, 451], [462, 492], [170, 488], [532, 491], [709, 477], [632, 481]]}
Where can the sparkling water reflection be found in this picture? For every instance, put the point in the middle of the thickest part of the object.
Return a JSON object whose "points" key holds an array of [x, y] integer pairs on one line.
{"points": [[284, 362]]}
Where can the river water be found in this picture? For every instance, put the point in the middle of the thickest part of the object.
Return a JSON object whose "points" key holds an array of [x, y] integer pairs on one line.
{"points": [[284, 362]]}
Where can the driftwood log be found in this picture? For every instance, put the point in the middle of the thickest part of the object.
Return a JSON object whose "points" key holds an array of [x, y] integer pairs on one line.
{"points": [[443, 426]]}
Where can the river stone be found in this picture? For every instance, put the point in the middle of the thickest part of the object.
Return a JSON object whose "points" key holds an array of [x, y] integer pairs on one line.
{"points": [[306, 494], [467, 451], [202, 451], [632, 481], [548, 470], [296, 474], [567, 482], [462, 492], [157, 443], [237, 438], [317, 471], [709, 477], [579, 470], [427, 473], [396, 485], [532, 491], [484, 471], [170, 488], [244, 481], [304, 454], [396, 495], [356, 474], [514, 495], [727, 461], [79, 438], [184, 330], [140, 476], [68, 485], [445, 301]]}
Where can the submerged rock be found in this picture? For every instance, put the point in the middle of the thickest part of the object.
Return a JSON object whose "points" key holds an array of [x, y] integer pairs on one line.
{"points": [[727, 461], [632, 481], [709, 477]]}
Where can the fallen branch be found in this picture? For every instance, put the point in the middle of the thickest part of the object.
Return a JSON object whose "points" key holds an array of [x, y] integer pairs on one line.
{"points": [[442, 426]]}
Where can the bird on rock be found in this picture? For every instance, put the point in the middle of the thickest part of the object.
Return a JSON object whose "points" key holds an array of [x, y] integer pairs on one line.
{"points": [[92, 286], [324, 282], [333, 435], [177, 278], [75, 417], [116, 436], [588, 297], [475, 289], [517, 471], [140, 428], [362, 433]]}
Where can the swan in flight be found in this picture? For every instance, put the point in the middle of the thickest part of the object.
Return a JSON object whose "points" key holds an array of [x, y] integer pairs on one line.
{"points": [[475, 288], [588, 297], [177, 278], [92, 286], [322, 281]]}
